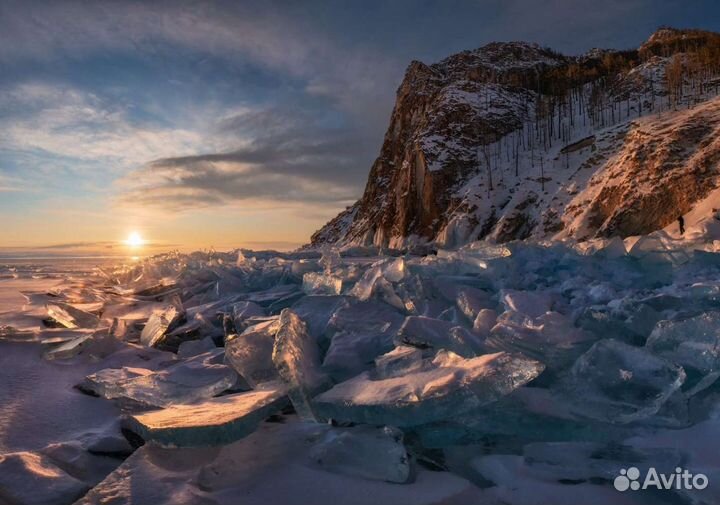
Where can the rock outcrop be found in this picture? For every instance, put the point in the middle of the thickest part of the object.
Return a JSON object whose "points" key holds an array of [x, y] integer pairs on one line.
{"points": [[512, 141]]}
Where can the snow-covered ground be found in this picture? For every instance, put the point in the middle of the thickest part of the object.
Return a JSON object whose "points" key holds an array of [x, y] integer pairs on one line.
{"points": [[528, 373]]}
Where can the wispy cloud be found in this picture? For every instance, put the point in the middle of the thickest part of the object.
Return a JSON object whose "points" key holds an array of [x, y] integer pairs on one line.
{"points": [[66, 122], [12, 184], [282, 37], [286, 155]]}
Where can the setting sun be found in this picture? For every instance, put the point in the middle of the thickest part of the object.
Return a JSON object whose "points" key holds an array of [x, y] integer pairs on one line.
{"points": [[134, 240]]}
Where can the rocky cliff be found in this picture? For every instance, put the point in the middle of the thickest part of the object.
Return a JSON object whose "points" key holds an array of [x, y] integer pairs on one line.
{"points": [[512, 141]]}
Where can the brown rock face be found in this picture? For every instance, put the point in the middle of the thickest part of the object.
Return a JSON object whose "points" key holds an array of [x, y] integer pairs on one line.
{"points": [[443, 114], [513, 141]]}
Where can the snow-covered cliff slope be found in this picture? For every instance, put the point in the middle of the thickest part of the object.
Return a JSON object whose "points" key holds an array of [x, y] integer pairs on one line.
{"points": [[514, 141]]}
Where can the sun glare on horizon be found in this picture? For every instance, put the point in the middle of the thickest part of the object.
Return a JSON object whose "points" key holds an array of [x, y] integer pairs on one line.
{"points": [[134, 240]]}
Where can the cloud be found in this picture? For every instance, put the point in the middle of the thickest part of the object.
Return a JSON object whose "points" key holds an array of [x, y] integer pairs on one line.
{"points": [[253, 177], [287, 155], [65, 122], [11, 184], [313, 142], [283, 37]]}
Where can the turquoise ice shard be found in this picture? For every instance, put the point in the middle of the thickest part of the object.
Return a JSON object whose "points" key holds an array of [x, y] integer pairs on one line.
{"points": [[426, 332], [441, 388], [363, 451], [243, 311], [618, 383], [549, 337], [529, 303], [159, 324], [216, 421], [316, 311], [399, 361], [693, 343], [108, 383], [321, 283], [184, 382], [250, 353], [70, 348], [71, 317], [330, 259], [360, 332], [470, 301], [297, 358]]}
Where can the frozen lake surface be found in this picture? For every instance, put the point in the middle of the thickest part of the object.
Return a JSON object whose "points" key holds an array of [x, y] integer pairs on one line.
{"points": [[524, 374]]}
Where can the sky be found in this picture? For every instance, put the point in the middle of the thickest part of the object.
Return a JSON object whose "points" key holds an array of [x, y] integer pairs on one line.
{"points": [[240, 123]]}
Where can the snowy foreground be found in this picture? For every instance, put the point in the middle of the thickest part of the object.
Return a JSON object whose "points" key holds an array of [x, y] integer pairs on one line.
{"points": [[522, 374]]}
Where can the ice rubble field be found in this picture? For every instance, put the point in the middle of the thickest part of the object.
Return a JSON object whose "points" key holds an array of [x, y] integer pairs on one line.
{"points": [[524, 374]]}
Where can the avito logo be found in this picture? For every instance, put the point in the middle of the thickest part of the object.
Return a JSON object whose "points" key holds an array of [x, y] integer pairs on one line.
{"points": [[681, 479]]}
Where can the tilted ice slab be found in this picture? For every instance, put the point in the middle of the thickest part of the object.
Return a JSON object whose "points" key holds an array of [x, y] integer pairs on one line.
{"points": [[377, 277], [321, 283], [217, 421], [549, 337], [184, 382], [398, 362], [161, 322], [377, 282], [363, 451], [98, 344], [242, 311], [70, 348], [71, 317], [360, 332], [618, 383], [250, 353], [28, 478], [109, 383], [532, 304], [330, 259], [443, 387], [297, 358], [470, 301], [316, 311], [692, 343], [426, 332]]}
